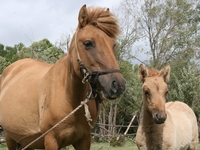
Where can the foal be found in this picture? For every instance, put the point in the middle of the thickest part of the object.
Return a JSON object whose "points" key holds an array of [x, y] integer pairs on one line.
{"points": [[164, 126]]}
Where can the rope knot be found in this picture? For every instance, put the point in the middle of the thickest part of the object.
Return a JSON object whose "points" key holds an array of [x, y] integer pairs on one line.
{"points": [[87, 112]]}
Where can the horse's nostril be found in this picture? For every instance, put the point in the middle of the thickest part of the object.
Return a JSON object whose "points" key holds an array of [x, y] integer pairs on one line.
{"points": [[160, 119], [157, 117], [114, 86]]}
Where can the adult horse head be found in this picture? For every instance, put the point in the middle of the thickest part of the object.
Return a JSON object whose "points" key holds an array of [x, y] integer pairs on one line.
{"points": [[155, 91], [94, 41], [35, 95]]}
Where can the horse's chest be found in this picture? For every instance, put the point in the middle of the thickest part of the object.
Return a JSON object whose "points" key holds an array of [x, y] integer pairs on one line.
{"points": [[150, 138], [66, 136], [71, 134]]}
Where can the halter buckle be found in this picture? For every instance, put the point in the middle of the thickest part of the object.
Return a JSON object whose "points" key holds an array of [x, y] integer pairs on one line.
{"points": [[86, 76]]}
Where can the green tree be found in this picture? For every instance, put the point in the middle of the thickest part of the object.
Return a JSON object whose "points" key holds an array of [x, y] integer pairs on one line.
{"points": [[184, 86], [51, 54], [168, 27], [3, 63], [42, 50]]}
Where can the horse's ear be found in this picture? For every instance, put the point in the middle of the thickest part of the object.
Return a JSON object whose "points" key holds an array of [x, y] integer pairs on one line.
{"points": [[165, 72], [142, 72], [82, 17]]}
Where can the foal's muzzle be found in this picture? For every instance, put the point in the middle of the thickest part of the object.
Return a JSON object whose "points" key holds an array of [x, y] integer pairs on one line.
{"points": [[159, 118]]}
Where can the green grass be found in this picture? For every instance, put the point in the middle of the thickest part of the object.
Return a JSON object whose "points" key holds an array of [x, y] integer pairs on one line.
{"points": [[3, 146], [96, 146], [128, 146], [101, 146], [105, 146]]}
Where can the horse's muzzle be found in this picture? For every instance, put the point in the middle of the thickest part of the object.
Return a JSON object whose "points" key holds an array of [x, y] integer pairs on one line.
{"points": [[112, 87]]}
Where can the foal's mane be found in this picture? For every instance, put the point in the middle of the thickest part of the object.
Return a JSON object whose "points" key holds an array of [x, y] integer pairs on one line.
{"points": [[103, 19], [152, 72]]}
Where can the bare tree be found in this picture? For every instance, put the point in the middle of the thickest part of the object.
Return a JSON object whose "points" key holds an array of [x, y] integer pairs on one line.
{"points": [[168, 26]]}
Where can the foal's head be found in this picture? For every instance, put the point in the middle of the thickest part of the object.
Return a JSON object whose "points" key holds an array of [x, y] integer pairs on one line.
{"points": [[155, 91], [93, 44]]}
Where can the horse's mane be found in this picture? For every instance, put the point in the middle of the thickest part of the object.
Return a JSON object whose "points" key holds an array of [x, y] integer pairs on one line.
{"points": [[103, 19]]}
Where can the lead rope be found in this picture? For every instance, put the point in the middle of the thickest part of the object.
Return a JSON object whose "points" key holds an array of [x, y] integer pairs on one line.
{"points": [[87, 115]]}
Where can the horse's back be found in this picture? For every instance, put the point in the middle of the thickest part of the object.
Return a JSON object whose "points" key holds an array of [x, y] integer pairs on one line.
{"points": [[19, 97], [178, 109], [24, 68], [184, 122]]}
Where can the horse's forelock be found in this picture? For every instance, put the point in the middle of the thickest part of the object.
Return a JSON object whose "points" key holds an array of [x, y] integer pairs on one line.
{"points": [[103, 19]]}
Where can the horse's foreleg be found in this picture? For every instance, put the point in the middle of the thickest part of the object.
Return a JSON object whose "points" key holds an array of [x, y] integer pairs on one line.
{"points": [[83, 144], [11, 144], [50, 142]]}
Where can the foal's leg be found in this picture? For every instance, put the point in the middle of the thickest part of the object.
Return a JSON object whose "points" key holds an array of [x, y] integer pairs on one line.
{"points": [[193, 146], [194, 142], [11, 144]]}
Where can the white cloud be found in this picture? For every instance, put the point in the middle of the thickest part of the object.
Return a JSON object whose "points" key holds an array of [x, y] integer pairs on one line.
{"points": [[28, 21]]}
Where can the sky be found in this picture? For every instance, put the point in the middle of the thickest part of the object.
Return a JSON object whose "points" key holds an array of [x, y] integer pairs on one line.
{"points": [[29, 21]]}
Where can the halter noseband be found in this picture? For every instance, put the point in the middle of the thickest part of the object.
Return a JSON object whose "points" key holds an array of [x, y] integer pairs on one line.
{"points": [[88, 74]]}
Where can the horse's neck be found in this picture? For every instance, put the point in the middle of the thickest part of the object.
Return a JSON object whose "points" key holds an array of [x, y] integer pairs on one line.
{"points": [[74, 90], [63, 73]]}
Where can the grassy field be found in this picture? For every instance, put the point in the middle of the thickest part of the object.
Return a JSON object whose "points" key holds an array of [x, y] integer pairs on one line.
{"points": [[100, 146], [96, 146]]}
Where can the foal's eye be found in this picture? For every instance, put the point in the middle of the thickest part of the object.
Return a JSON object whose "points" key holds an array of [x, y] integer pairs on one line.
{"points": [[89, 44]]}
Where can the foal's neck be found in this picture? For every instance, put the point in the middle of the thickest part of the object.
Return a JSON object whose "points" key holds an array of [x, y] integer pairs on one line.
{"points": [[147, 121], [146, 117]]}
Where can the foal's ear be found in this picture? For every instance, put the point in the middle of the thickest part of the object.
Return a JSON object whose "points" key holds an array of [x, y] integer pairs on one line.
{"points": [[82, 17], [165, 72], [142, 72]]}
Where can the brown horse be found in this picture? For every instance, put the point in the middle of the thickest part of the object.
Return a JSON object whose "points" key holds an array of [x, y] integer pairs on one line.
{"points": [[35, 95], [164, 126]]}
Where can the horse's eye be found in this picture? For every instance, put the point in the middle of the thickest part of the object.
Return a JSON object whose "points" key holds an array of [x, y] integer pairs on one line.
{"points": [[89, 44]]}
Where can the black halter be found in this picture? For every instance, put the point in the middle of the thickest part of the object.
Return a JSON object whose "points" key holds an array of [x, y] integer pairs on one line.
{"points": [[88, 75]]}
